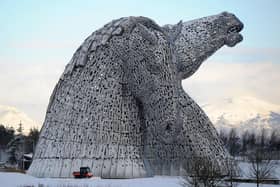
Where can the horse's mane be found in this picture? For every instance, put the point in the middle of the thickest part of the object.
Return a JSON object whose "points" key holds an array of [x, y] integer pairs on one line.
{"points": [[103, 35]]}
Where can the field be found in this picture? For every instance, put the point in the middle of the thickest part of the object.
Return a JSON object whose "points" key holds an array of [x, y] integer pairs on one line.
{"points": [[14, 179]]}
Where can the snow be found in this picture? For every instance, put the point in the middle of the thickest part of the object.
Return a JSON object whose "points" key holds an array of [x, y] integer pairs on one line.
{"points": [[243, 113], [245, 167], [18, 179], [29, 155], [21, 180], [254, 185], [239, 109]]}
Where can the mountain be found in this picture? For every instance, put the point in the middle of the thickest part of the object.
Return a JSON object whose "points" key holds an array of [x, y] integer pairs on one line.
{"points": [[244, 113], [11, 116]]}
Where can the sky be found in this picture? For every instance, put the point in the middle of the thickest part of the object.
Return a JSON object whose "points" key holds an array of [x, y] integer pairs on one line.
{"points": [[38, 38]]}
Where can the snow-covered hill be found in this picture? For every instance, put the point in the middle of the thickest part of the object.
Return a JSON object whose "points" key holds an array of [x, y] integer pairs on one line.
{"points": [[244, 113], [11, 116]]}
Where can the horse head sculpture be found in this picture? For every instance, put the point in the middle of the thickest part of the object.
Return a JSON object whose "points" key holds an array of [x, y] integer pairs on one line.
{"points": [[119, 107]]}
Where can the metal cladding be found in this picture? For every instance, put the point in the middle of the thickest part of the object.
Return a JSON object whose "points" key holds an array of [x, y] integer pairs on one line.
{"points": [[119, 107]]}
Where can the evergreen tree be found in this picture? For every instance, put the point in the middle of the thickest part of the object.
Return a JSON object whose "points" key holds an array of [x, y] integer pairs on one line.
{"points": [[245, 142], [6, 135], [16, 146], [233, 142]]}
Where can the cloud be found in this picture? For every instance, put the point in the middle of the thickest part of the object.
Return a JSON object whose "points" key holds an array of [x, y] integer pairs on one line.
{"points": [[251, 51], [247, 54], [11, 116], [218, 80], [28, 86]]}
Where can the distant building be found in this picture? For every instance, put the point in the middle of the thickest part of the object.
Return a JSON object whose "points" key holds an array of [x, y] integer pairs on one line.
{"points": [[26, 161]]}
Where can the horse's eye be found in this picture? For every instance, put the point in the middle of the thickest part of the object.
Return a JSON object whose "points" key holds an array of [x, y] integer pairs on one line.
{"points": [[154, 69], [168, 127]]}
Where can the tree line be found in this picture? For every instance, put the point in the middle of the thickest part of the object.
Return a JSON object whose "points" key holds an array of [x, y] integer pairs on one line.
{"points": [[15, 143], [247, 142], [259, 150]]}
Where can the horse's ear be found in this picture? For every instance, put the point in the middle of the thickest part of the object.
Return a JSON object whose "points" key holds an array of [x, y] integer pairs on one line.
{"points": [[173, 31], [146, 34], [177, 29]]}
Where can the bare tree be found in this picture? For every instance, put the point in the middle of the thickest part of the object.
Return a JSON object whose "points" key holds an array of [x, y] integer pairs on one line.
{"points": [[233, 171], [223, 136], [262, 167], [202, 172]]}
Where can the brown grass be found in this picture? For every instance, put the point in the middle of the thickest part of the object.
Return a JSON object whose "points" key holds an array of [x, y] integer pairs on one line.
{"points": [[12, 170]]}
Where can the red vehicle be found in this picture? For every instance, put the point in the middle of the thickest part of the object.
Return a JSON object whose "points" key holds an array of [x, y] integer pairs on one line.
{"points": [[83, 173]]}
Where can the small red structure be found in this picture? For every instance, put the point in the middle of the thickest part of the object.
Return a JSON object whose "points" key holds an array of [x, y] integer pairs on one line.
{"points": [[83, 173]]}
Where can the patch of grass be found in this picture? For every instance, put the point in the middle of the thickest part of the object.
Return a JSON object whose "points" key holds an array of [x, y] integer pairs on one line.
{"points": [[65, 185], [9, 169]]}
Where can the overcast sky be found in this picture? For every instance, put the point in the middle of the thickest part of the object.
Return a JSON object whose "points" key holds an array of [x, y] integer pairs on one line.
{"points": [[38, 38]]}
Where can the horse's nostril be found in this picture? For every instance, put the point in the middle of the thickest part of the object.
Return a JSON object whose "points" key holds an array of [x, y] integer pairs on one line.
{"points": [[234, 29], [241, 25]]}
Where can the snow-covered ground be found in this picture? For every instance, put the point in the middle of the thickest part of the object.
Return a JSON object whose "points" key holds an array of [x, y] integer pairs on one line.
{"points": [[245, 167], [254, 185], [24, 180]]}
